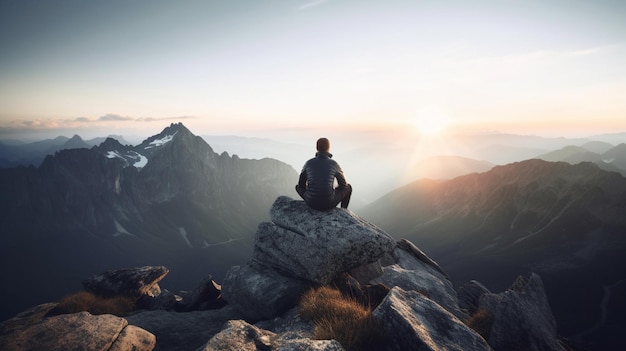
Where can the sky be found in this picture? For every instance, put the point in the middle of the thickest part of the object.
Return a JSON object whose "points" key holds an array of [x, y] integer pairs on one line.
{"points": [[275, 67]]}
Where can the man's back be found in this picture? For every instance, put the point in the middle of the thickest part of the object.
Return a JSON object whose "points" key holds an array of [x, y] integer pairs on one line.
{"points": [[317, 179]]}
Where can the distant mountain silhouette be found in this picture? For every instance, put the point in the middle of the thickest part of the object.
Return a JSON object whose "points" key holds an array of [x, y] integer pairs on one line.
{"points": [[446, 167], [616, 156], [564, 221], [32, 154], [598, 147], [170, 200], [612, 159]]}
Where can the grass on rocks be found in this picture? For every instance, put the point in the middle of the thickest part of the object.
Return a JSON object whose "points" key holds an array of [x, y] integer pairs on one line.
{"points": [[341, 318]]}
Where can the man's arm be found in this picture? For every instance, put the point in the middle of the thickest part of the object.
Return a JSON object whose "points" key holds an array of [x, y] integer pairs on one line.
{"points": [[341, 179]]}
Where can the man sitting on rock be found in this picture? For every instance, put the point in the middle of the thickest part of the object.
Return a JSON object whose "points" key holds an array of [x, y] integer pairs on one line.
{"points": [[317, 181]]}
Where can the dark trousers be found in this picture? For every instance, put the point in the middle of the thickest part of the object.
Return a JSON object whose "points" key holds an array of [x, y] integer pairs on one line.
{"points": [[342, 195]]}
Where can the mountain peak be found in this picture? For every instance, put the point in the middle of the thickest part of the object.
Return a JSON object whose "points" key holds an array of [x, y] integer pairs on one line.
{"points": [[173, 131], [76, 142], [177, 127]]}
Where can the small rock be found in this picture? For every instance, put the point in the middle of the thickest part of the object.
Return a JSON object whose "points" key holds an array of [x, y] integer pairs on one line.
{"points": [[131, 282]]}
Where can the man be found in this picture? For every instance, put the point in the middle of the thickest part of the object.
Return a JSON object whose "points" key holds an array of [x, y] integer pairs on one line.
{"points": [[317, 181]]}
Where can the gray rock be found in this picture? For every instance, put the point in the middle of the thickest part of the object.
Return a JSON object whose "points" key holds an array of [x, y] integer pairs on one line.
{"points": [[469, 295], [28, 317], [289, 323], [415, 322], [176, 331], [78, 331], [413, 273], [166, 300], [367, 272], [131, 282], [409, 247], [298, 236], [522, 319], [134, 339], [206, 295], [259, 292], [241, 336], [289, 344]]}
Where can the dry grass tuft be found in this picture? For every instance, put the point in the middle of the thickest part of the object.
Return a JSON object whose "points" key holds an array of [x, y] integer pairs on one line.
{"points": [[341, 318], [86, 301], [481, 322]]}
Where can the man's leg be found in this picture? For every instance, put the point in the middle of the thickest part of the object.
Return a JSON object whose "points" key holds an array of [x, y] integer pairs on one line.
{"points": [[300, 191], [344, 195]]}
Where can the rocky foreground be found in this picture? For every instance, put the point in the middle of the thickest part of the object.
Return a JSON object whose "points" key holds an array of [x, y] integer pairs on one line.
{"points": [[256, 307]]}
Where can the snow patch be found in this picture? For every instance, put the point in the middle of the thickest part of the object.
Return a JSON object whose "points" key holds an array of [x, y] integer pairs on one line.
{"points": [[160, 142], [608, 160], [140, 160], [220, 243], [114, 154], [183, 234], [120, 230], [143, 160]]}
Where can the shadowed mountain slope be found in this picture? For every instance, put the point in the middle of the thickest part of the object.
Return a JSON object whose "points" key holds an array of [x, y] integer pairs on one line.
{"points": [[564, 221], [170, 200]]}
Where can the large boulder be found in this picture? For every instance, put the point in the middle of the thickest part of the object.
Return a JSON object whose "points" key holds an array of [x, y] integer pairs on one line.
{"points": [[415, 322], [131, 282], [259, 292], [317, 245], [78, 331], [522, 318]]}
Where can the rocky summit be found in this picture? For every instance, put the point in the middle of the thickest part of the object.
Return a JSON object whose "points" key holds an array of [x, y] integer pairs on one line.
{"points": [[257, 307]]}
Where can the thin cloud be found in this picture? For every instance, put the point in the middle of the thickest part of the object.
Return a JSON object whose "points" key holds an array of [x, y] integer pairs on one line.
{"points": [[114, 117], [311, 4], [157, 119]]}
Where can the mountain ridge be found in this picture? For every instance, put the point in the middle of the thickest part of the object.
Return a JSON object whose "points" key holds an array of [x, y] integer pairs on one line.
{"points": [[82, 211], [564, 221]]}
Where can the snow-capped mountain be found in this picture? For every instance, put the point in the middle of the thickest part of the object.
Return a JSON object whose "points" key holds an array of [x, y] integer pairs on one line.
{"points": [[137, 156], [170, 200]]}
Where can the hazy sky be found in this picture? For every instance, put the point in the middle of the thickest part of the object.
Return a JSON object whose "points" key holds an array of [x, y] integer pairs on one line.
{"points": [[244, 66]]}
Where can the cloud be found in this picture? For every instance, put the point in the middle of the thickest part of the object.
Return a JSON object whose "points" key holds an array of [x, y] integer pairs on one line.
{"points": [[157, 119], [114, 117]]}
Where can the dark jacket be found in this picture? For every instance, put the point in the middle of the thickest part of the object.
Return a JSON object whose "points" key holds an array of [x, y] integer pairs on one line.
{"points": [[318, 178]]}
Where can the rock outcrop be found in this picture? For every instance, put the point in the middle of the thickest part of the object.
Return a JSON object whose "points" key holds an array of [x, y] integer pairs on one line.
{"points": [[416, 322], [317, 245], [240, 335], [256, 307], [299, 248], [522, 318], [411, 269]]}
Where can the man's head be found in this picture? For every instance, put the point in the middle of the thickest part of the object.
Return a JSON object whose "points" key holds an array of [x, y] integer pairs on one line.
{"points": [[323, 145]]}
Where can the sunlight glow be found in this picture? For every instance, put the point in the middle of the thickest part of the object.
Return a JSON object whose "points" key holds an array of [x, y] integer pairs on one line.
{"points": [[430, 120]]}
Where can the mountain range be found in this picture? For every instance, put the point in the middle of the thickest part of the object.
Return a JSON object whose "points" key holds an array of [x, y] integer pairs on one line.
{"points": [[565, 222], [489, 213], [170, 200], [604, 155], [15, 153]]}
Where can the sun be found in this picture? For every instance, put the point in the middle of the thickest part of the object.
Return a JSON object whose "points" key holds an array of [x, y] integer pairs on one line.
{"points": [[430, 121]]}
